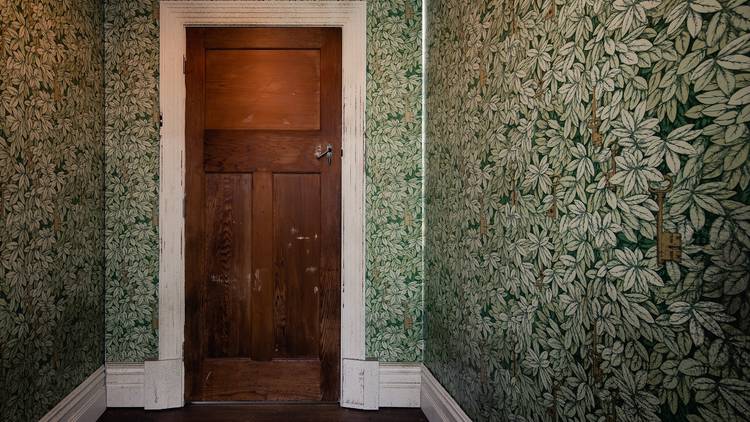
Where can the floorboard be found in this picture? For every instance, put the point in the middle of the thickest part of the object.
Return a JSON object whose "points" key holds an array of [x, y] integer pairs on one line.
{"points": [[264, 413]]}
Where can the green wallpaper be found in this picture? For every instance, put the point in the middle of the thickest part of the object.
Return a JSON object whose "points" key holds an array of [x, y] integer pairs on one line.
{"points": [[544, 298], [131, 56], [52, 213], [394, 180], [394, 220]]}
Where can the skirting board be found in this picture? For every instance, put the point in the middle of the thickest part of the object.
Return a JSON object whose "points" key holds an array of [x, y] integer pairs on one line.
{"points": [[84, 404], [436, 403], [399, 385], [125, 385]]}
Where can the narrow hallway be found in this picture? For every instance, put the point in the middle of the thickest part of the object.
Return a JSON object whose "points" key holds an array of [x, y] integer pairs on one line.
{"points": [[424, 210]]}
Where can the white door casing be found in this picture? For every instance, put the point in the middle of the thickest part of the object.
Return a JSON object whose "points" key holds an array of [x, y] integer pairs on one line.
{"points": [[174, 17]]}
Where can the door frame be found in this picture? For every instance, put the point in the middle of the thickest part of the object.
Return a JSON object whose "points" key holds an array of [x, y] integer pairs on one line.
{"points": [[174, 17]]}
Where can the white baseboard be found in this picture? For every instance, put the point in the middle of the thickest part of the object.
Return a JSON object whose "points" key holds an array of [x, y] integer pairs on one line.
{"points": [[163, 388], [436, 403], [84, 404], [400, 384], [360, 384], [125, 384]]}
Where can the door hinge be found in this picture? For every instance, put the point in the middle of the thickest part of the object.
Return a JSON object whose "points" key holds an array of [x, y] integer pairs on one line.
{"points": [[161, 120], [184, 207], [184, 65], [342, 152]]}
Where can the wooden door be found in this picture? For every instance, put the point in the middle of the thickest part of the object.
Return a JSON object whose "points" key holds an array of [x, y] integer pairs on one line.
{"points": [[263, 213]]}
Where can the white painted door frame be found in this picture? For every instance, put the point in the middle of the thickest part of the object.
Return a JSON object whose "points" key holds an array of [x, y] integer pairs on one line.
{"points": [[165, 380]]}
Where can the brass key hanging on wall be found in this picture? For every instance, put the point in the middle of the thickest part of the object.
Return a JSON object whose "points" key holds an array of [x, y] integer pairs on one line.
{"points": [[668, 244]]}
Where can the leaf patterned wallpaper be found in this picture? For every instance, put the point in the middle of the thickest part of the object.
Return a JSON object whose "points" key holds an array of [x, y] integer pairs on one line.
{"points": [[131, 57], [52, 211], [394, 181], [548, 124]]}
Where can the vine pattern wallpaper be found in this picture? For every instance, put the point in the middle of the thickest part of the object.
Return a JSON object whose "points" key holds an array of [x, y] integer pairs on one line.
{"points": [[394, 180], [552, 125], [52, 211]]}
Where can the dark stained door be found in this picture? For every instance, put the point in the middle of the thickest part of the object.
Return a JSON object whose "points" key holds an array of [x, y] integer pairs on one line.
{"points": [[263, 213]]}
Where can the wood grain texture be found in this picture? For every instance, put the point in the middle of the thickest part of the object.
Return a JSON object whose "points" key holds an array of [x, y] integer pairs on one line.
{"points": [[330, 197], [263, 283], [174, 19], [262, 38], [194, 214], [250, 150], [283, 380], [330, 334], [296, 216], [229, 264], [268, 210], [263, 89]]}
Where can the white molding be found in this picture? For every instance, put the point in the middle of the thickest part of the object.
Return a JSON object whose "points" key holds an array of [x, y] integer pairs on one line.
{"points": [[361, 384], [174, 17], [125, 384], [85, 403], [400, 384], [154, 384], [436, 403], [163, 384]]}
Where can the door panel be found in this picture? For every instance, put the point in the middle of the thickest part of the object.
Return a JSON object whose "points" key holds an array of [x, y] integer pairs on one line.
{"points": [[247, 151], [263, 282], [229, 266], [236, 379], [254, 89], [263, 214], [297, 260]]}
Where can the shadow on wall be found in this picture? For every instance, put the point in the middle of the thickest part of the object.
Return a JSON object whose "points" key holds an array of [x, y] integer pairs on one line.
{"points": [[552, 128], [52, 209]]}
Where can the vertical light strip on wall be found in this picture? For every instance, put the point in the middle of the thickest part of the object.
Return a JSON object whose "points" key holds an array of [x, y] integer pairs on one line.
{"points": [[424, 168]]}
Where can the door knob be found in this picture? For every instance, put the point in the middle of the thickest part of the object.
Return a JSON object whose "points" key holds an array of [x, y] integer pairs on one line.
{"points": [[328, 153]]}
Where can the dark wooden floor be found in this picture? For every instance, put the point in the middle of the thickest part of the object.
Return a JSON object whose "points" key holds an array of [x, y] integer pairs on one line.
{"points": [[264, 413]]}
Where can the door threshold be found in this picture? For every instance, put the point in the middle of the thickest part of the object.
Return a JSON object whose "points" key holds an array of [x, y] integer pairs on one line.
{"points": [[259, 403]]}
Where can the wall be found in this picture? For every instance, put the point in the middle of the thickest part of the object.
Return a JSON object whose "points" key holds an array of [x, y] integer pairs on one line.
{"points": [[131, 47], [394, 217], [52, 213], [394, 180], [544, 299]]}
